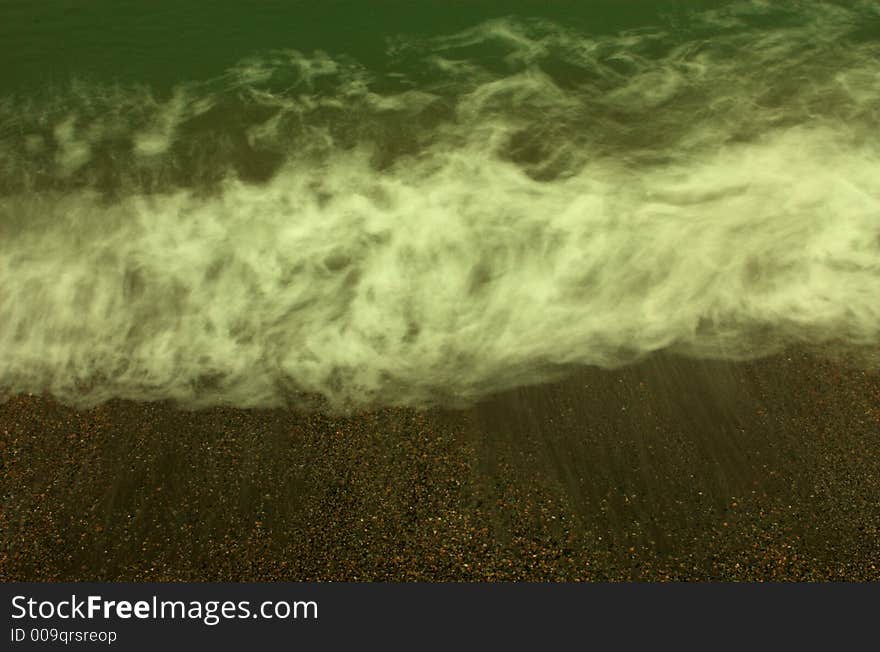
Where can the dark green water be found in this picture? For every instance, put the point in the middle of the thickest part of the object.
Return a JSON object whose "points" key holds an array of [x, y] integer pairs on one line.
{"points": [[164, 43], [425, 202]]}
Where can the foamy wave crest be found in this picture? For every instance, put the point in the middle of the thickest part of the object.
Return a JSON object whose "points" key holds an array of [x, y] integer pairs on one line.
{"points": [[490, 209]]}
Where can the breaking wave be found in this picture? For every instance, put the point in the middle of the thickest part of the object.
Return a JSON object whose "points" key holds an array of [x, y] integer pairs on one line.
{"points": [[487, 209]]}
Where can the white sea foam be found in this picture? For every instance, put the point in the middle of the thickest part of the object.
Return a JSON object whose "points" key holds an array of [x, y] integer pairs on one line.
{"points": [[545, 201]]}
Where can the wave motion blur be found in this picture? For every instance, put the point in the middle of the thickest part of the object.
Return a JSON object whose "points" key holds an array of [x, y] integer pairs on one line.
{"points": [[490, 209]]}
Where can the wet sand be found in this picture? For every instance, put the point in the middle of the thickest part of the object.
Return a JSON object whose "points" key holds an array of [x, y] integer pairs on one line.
{"points": [[671, 469]]}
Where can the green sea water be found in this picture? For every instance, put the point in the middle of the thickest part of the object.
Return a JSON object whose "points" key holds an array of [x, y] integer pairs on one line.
{"points": [[164, 43], [416, 203]]}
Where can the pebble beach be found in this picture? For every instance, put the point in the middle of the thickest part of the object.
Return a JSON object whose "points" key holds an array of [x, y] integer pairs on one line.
{"points": [[666, 470]]}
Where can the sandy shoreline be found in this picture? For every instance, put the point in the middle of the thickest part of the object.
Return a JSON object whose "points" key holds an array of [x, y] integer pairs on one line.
{"points": [[670, 469]]}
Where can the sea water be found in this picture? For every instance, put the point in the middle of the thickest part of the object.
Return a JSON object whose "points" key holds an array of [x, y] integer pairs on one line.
{"points": [[389, 203]]}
